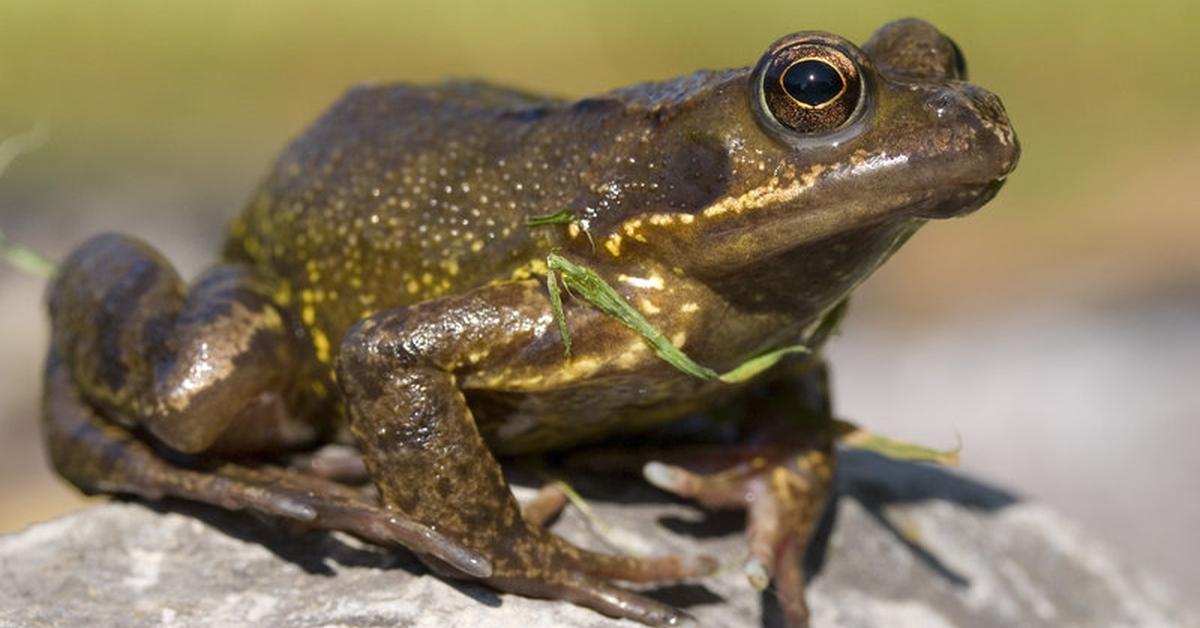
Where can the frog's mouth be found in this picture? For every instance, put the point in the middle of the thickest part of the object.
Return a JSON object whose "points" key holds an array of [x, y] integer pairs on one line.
{"points": [[963, 201]]}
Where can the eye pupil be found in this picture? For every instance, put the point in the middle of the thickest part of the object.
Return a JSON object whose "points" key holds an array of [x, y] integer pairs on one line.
{"points": [[813, 82]]}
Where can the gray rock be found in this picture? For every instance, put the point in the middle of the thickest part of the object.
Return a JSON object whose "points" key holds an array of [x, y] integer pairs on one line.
{"points": [[911, 545]]}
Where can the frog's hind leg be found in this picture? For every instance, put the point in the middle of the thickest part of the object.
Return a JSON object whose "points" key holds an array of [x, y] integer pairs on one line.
{"points": [[217, 364], [99, 456], [138, 357]]}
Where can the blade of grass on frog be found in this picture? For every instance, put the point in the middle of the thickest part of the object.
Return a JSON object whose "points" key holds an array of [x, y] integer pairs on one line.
{"points": [[858, 438], [556, 305], [24, 258], [748, 369], [560, 217], [589, 286]]}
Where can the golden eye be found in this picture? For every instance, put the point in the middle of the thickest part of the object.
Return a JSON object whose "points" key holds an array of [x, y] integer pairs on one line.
{"points": [[809, 87], [812, 83]]}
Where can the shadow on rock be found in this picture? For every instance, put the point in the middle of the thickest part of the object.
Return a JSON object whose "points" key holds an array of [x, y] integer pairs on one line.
{"points": [[877, 482], [309, 549]]}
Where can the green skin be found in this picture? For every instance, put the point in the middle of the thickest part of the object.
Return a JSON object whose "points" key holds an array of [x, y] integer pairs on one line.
{"points": [[390, 245]]}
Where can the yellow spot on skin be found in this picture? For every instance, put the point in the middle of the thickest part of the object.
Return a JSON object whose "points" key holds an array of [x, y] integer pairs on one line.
{"points": [[613, 244], [648, 306], [477, 246], [321, 343], [632, 354], [678, 339], [309, 315], [283, 293], [765, 196], [573, 230], [689, 307], [534, 267], [427, 279], [653, 281], [412, 286]]}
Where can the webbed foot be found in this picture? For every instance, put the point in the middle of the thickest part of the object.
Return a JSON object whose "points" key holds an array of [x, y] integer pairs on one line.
{"points": [[783, 490]]}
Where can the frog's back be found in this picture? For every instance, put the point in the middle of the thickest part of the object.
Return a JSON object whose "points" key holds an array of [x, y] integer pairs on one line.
{"points": [[400, 194]]}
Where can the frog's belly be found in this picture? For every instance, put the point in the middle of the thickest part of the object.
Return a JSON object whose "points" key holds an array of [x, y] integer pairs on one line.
{"points": [[515, 423]]}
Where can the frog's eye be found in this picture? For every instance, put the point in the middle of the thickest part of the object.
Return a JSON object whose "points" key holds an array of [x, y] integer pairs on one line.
{"points": [[809, 87]]}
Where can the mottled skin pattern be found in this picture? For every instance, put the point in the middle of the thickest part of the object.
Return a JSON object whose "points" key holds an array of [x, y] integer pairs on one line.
{"points": [[386, 273]]}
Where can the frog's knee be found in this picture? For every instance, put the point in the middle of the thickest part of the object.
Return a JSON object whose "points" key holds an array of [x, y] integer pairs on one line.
{"points": [[380, 343]]}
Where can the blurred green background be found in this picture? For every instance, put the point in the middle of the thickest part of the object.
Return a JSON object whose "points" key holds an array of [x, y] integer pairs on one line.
{"points": [[162, 115]]}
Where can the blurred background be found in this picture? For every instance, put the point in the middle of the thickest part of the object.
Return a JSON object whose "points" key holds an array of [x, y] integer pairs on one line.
{"points": [[1056, 331]]}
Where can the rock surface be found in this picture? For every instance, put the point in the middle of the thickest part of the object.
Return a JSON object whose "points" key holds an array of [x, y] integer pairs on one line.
{"points": [[911, 546]]}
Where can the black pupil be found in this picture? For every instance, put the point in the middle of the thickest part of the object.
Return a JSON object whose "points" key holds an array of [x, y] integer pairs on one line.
{"points": [[812, 82]]}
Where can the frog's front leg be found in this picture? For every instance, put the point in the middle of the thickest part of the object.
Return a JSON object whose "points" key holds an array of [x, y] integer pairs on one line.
{"points": [[400, 372]]}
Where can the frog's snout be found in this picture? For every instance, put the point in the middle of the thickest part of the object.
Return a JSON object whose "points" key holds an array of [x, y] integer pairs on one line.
{"points": [[982, 154], [993, 119]]}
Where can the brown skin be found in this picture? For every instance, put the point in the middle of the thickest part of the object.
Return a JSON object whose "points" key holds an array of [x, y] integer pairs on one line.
{"points": [[389, 245]]}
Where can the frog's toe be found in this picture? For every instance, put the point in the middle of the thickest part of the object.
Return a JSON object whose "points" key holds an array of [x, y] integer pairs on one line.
{"points": [[334, 506], [546, 505], [598, 595], [643, 569], [783, 498]]}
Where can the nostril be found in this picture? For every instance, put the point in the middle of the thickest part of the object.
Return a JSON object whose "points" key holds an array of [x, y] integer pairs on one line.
{"points": [[942, 104], [987, 104]]}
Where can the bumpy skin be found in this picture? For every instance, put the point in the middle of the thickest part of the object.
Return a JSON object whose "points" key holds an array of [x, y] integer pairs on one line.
{"points": [[386, 273]]}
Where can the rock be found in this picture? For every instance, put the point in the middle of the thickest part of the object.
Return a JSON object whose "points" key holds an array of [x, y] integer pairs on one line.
{"points": [[912, 545]]}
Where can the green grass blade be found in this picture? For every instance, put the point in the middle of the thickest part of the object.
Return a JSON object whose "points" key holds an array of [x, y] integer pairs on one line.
{"points": [[556, 305], [858, 438], [560, 217], [589, 286], [25, 258], [752, 367]]}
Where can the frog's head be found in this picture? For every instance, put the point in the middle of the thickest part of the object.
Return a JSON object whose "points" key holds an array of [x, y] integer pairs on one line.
{"points": [[829, 155]]}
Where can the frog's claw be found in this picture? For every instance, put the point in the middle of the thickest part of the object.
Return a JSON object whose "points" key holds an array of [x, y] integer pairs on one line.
{"points": [[783, 495], [99, 456]]}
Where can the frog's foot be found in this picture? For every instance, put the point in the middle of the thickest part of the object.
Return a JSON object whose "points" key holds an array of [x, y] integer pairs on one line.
{"points": [[340, 463], [99, 456], [539, 563], [783, 493], [530, 560]]}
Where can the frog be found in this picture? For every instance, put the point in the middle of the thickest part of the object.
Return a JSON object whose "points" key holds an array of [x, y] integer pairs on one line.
{"points": [[391, 288]]}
